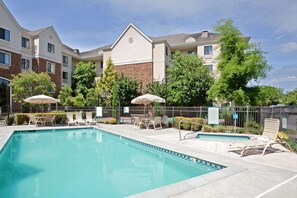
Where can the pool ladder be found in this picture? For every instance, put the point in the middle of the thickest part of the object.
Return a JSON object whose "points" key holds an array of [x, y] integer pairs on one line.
{"points": [[179, 124]]}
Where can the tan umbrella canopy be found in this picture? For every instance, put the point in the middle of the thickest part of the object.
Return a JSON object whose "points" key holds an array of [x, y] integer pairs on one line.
{"points": [[41, 99], [147, 99]]}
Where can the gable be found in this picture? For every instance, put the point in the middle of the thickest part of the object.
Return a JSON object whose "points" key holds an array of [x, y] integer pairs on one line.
{"points": [[7, 19], [132, 47]]}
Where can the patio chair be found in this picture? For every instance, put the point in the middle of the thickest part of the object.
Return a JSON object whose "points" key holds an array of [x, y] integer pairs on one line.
{"points": [[33, 120], [165, 120], [156, 122], [138, 123], [89, 118], [268, 138], [70, 118], [79, 120]]}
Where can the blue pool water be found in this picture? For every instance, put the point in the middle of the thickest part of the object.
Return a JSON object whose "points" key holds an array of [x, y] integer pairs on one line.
{"points": [[88, 163], [222, 137]]}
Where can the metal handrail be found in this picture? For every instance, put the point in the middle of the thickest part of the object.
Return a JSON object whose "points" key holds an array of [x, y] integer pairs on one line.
{"points": [[186, 122]]}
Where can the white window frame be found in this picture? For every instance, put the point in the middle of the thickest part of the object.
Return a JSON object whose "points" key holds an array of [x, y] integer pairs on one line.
{"points": [[6, 53], [208, 66], [205, 51], [52, 66], [26, 61], [65, 64], [65, 79], [51, 48], [27, 43], [191, 52], [5, 30]]}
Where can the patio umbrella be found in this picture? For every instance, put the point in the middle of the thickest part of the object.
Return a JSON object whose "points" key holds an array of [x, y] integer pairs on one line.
{"points": [[42, 99], [147, 99]]}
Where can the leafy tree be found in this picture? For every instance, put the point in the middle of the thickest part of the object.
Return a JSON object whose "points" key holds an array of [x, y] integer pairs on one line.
{"points": [[128, 89], [188, 81], [239, 63], [158, 89], [291, 98], [92, 97], [84, 76], [106, 82], [79, 100], [65, 96], [115, 101], [264, 95], [29, 84]]}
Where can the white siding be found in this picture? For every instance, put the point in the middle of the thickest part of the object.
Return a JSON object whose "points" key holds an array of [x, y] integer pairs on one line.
{"points": [[137, 51]]}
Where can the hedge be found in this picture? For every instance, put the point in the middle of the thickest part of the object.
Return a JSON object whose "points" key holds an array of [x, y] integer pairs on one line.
{"points": [[189, 126], [23, 118]]}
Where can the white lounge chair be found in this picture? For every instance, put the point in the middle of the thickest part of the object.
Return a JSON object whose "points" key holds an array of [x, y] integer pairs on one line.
{"points": [[34, 120], [268, 138], [79, 120], [70, 118], [138, 123], [156, 122], [89, 118], [165, 120]]}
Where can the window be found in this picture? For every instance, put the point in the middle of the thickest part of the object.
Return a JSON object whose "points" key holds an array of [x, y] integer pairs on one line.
{"points": [[4, 34], [5, 58], [208, 50], [50, 90], [65, 76], [210, 67], [25, 64], [25, 43], [65, 61], [50, 48], [192, 52], [50, 67], [166, 51], [101, 65]]}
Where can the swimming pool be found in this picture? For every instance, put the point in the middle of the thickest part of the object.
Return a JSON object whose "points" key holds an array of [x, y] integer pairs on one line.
{"points": [[222, 137], [89, 163]]}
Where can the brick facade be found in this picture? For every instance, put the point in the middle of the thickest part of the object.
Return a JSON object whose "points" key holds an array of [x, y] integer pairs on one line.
{"points": [[39, 65], [142, 72], [14, 68]]}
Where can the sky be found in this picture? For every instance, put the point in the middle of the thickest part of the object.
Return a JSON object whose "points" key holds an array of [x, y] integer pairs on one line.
{"points": [[88, 24]]}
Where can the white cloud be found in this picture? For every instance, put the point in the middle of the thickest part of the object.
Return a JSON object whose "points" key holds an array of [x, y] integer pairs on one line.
{"points": [[288, 47]]}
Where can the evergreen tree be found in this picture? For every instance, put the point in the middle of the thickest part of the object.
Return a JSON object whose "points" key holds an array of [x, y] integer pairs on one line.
{"points": [[105, 83], [115, 101]]}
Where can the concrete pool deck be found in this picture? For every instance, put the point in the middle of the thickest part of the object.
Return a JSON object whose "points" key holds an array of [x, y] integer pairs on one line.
{"points": [[271, 175]]}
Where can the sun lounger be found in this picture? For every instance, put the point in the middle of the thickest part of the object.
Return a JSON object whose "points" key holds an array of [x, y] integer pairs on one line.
{"points": [[89, 118], [268, 138], [79, 120], [70, 118], [138, 123]]}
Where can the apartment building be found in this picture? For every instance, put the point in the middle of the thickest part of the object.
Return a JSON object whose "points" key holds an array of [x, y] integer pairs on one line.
{"points": [[134, 53]]}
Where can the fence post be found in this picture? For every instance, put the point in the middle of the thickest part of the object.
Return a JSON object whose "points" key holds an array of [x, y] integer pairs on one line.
{"points": [[247, 117], [200, 111], [173, 112]]}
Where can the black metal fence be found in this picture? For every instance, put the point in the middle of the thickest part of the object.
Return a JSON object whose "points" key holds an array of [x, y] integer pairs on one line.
{"points": [[248, 117]]}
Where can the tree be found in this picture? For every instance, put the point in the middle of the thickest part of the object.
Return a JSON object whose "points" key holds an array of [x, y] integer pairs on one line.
{"points": [[188, 81], [264, 95], [84, 76], [291, 98], [65, 96], [115, 101], [239, 63], [92, 97], [158, 89], [79, 100], [128, 89], [29, 84], [106, 82]]}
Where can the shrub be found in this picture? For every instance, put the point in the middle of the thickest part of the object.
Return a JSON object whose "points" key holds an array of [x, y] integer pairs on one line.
{"points": [[21, 118], [196, 127], [220, 128], [217, 128], [282, 135], [176, 121], [9, 121], [292, 143], [106, 121], [207, 128], [112, 121]]}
